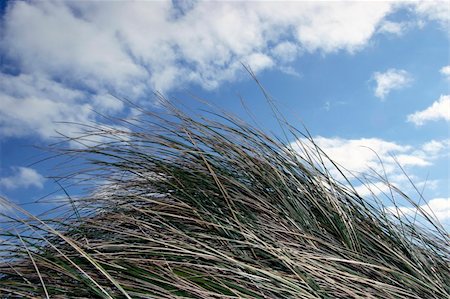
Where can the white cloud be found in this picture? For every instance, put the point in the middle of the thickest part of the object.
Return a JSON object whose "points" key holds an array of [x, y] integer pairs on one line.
{"points": [[439, 110], [396, 28], [390, 80], [445, 71], [435, 11], [369, 163], [372, 186], [48, 38], [437, 208], [131, 49], [436, 147], [364, 155], [286, 51], [423, 11], [34, 104], [128, 46], [106, 103], [375, 189], [259, 61], [23, 177], [331, 26]]}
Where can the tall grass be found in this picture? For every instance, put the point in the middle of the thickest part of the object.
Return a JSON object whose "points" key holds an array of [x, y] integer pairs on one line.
{"points": [[185, 206]]}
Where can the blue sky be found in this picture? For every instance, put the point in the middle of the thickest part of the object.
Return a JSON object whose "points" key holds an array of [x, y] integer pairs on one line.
{"points": [[357, 75]]}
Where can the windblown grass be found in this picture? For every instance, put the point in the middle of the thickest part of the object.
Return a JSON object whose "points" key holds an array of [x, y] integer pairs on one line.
{"points": [[194, 207]]}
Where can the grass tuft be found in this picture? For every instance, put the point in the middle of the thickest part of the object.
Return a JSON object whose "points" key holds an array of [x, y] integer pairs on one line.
{"points": [[194, 207]]}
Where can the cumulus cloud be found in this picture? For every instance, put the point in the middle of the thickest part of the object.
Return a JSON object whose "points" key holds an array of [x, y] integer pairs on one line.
{"points": [[439, 110], [436, 148], [390, 80], [438, 11], [35, 104], [445, 71], [84, 50], [375, 167], [286, 51], [361, 155], [128, 46], [22, 177], [68, 54]]}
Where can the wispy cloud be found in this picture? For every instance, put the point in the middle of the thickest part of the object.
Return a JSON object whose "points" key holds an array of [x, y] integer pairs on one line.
{"points": [[328, 105], [390, 80], [396, 28], [22, 177], [439, 110]]}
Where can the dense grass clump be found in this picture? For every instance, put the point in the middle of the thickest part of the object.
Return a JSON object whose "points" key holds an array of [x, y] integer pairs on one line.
{"points": [[189, 207]]}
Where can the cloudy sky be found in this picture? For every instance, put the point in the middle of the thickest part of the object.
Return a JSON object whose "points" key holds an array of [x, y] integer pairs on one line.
{"points": [[364, 77]]}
